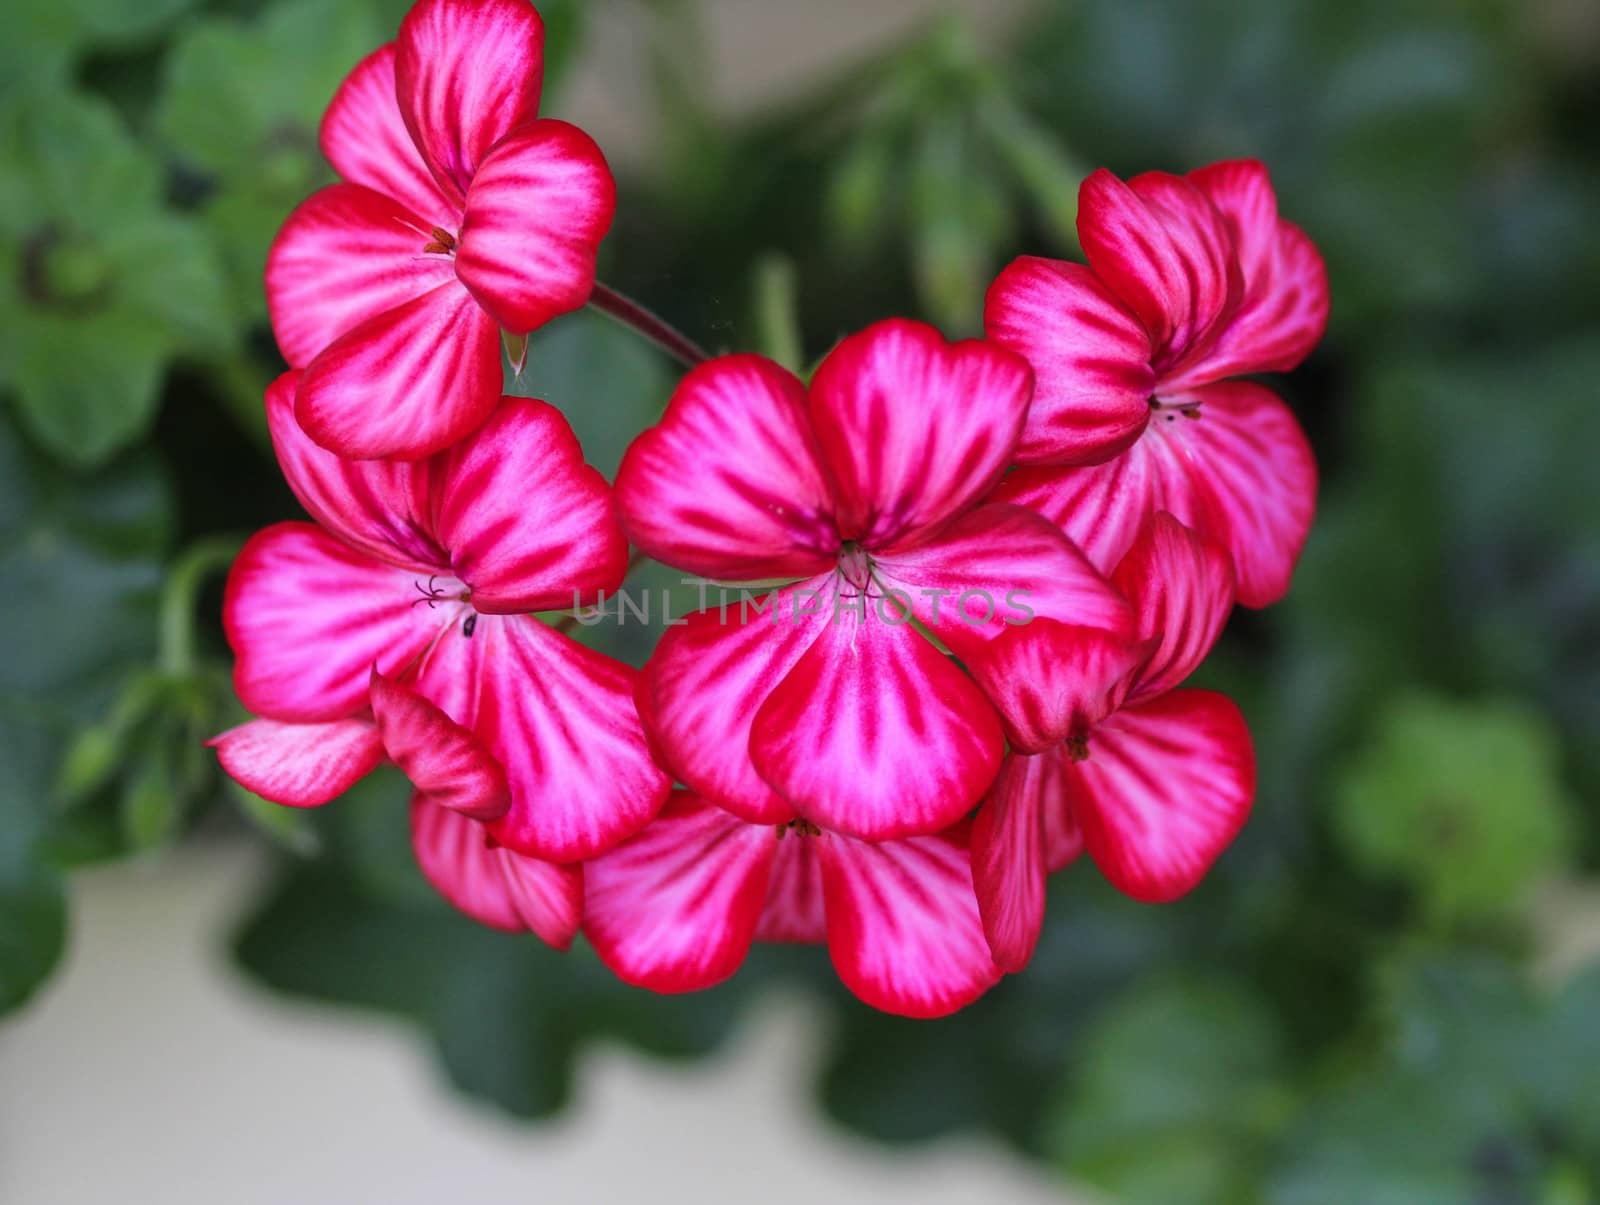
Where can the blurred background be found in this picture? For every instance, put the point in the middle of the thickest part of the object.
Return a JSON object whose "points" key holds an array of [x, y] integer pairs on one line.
{"points": [[1387, 992]]}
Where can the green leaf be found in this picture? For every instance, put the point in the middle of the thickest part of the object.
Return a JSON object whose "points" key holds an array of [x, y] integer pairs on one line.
{"points": [[1175, 1096], [1463, 801]]}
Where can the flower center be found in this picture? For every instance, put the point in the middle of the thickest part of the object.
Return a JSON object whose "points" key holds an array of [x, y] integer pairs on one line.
{"points": [[802, 828], [446, 590], [1078, 747], [1171, 410], [443, 243], [855, 565]]}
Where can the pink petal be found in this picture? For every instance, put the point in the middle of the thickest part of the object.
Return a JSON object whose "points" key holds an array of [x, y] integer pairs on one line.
{"points": [[560, 720], [346, 255], [708, 676], [447, 763], [406, 383], [1090, 358], [307, 619], [1008, 868], [538, 207], [903, 924], [1161, 246], [528, 524], [915, 429], [299, 765], [729, 484], [494, 886], [467, 72], [365, 138], [1259, 478], [1050, 680], [675, 908], [1166, 787], [1284, 310], [874, 732], [380, 507], [795, 910], [1181, 586], [997, 568]]}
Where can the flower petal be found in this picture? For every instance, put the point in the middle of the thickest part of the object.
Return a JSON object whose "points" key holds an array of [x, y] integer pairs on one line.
{"points": [[903, 925], [729, 484], [915, 429], [406, 383], [1166, 787], [364, 136], [1181, 587], [874, 732], [1050, 680], [560, 720], [495, 886], [1090, 358], [1160, 245], [467, 72], [997, 568], [345, 255], [1284, 310], [795, 911], [539, 205], [528, 525], [299, 765], [710, 673], [379, 507], [447, 763], [1008, 855], [675, 908], [307, 619]]}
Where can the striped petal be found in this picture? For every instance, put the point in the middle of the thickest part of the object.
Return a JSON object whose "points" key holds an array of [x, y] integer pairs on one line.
{"points": [[729, 484], [1284, 310], [795, 911], [1160, 245], [1008, 862], [307, 619], [299, 765], [903, 925], [707, 678], [675, 908], [1166, 787], [527, 523], [1181, 587], [494, 886], [539, 205], [874, 732], [914, 429], [467, 72], [346, 255], [364, 136], [447, 763], [407, 382], [380, 507], [1090, 358], [997, 568]]}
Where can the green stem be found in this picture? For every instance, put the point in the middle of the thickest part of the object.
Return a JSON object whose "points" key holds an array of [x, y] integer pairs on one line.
{"points": [[178, 596], [777, 318], [648, 325]]}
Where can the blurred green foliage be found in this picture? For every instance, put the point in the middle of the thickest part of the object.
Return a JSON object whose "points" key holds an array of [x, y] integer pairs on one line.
{"points": [[1346, 1011]]}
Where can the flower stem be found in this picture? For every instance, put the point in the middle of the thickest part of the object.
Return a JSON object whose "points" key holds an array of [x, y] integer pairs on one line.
{"points": [[643, 322], [176, 647]]}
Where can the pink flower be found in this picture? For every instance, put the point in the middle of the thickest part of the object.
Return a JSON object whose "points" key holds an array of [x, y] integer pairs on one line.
{"points": [[396, 624], [463, 213], [1107, 755], [1191, 281], [867, 488], [676, 908]]}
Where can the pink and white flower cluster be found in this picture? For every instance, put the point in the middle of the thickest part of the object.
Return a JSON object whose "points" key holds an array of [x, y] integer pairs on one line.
{"points": [[889, 773]]}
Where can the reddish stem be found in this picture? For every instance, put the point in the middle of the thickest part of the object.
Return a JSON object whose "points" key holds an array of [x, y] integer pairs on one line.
{"points": [[640, 320]]}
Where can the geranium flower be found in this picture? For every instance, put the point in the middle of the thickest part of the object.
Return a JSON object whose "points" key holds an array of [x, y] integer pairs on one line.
{"points": [[423, 572], [1108, 756], [1191, 281], [830, 704], [463, 213], [676, 908]]}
